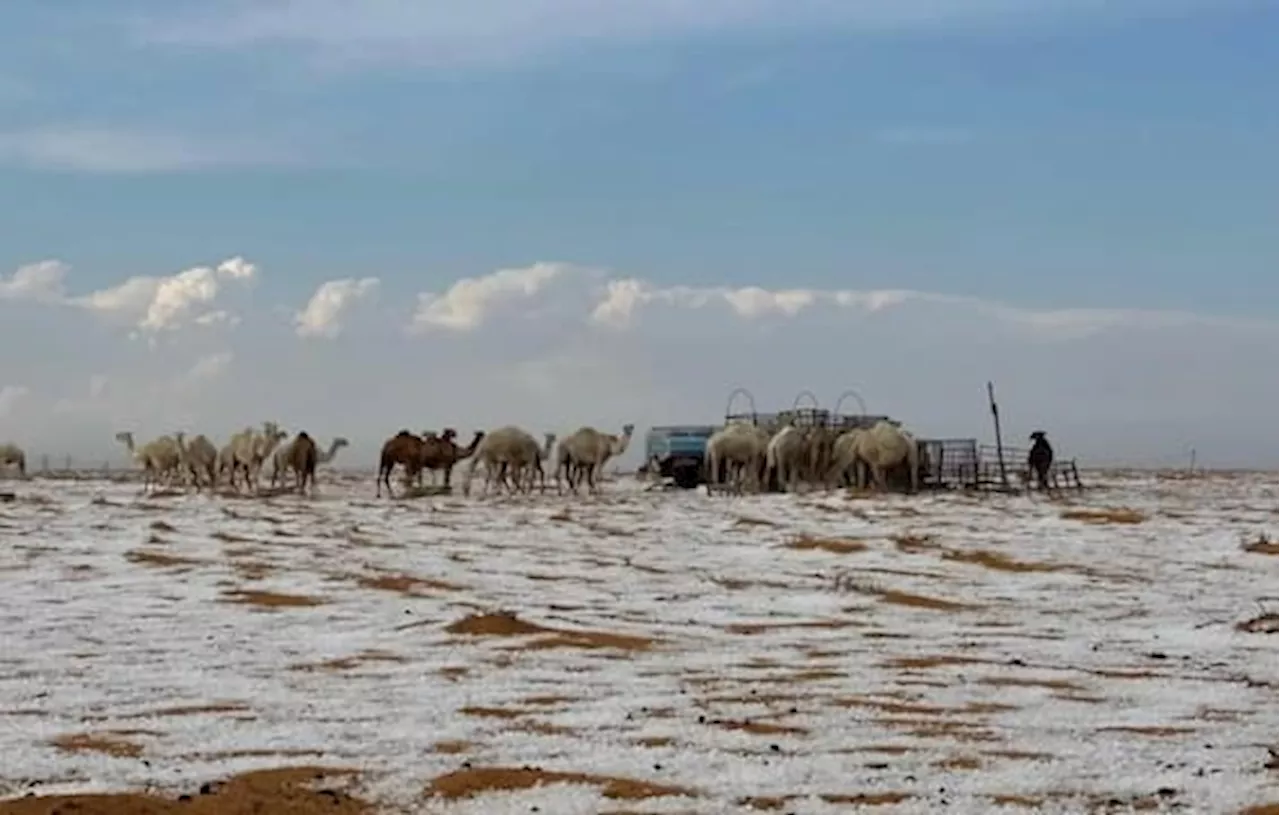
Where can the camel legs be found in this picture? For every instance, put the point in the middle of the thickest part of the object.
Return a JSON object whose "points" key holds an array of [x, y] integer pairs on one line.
{"points": [[300, 478], [878, 474]]}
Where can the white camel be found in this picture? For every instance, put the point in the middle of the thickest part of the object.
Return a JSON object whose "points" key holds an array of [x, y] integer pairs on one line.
{"points": [[281, 458], [158, 457], [254, 455], [785, 455], [844, 455], [247, 451], [586, 451], [11, 455], [198, 459], [741, 449], [883, 447], [227, 456], [534, 471], [508, 449]]}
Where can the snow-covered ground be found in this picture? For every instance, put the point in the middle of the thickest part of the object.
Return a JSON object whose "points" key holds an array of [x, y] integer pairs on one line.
{"points": [[807, 653]]}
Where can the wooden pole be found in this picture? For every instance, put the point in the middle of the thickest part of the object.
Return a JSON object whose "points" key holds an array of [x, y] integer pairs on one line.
{"points": [[995, 418]]}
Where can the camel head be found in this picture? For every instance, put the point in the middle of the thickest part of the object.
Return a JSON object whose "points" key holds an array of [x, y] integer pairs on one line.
{"points": [[548, 442], [339, 442], [1038, 435], [125, 438], [618, 444], [475, 442]]}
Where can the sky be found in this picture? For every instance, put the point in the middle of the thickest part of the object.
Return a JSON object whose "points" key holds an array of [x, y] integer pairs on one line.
{"points": [[357, 218]]}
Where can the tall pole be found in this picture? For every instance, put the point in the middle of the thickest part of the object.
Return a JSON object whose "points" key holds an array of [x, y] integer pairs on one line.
{"points": [[995, 418]]}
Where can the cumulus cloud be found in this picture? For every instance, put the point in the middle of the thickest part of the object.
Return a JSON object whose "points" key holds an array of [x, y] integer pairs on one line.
{"points": [[149, 304], [324, 313], [40, 282], [466, 304], [555, 345]]}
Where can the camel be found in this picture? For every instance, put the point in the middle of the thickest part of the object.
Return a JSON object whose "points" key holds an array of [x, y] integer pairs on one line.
{"points": [[741, 449], [442, 452], [818, 454], [198, 458], [11, 455], [227, 456], [507, 449], [1040, 459], [843, 456], [247, 451], [301, 456], [564, 464], [534, 471], [157, 457], [883, 446], [280, 458], [785, 456], [404, 449], [586, 451]]}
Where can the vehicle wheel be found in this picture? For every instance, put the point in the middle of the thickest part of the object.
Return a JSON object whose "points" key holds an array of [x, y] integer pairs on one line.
{"points": [[685, 476]]}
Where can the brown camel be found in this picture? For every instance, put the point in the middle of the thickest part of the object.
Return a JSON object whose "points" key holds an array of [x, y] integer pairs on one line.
{"points": [[404, 449], [302, 457], [442, 452]]}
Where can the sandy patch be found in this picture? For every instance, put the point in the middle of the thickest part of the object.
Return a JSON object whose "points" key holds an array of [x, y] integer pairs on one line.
{"points": [[291, 791], [271, 599], [475, 780], [1111, 515]]}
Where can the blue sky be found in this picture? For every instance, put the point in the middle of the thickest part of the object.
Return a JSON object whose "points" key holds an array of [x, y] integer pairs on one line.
{"points": [[1039, 153]]}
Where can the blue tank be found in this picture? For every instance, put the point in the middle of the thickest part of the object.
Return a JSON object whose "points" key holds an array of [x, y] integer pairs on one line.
{"points": [[677, 452]]}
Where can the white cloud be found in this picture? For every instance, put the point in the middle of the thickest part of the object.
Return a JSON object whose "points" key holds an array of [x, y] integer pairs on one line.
{"points": [[40, 282], [149, 304], [554, 345], [503, 32], [324, 313], [96, 149], [466, 304]]}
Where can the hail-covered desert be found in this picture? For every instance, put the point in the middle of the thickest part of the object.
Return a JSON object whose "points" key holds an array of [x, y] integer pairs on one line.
{"points": [[646, 650]]}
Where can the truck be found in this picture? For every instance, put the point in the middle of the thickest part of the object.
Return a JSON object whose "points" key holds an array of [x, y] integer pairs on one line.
{"points": [[677, 452]]}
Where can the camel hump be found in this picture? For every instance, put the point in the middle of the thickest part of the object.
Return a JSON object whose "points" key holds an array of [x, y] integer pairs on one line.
{"points": [[302, 434]]}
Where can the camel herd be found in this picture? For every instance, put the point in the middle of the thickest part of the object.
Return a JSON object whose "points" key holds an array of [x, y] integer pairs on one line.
{"points": [[511, 457], [744, 456], [200, 463]]}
